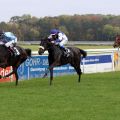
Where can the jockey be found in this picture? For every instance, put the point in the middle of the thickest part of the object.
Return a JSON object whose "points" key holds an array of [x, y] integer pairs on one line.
{"points": [[59, 38], [10, 41]]}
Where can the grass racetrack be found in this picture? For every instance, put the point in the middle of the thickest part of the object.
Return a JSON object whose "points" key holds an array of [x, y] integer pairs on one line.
{"points": [[97, 97]]}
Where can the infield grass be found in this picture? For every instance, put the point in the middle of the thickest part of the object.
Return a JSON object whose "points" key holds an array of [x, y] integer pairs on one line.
{"points": [[96, 97], [35, 47]]}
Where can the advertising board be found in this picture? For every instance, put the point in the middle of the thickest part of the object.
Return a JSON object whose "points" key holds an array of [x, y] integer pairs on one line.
{"points": [[35, 66], [4, 72]]}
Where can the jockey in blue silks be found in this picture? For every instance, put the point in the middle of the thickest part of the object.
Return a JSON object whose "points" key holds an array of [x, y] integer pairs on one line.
{"points": [[10, 41], [59, 38]]}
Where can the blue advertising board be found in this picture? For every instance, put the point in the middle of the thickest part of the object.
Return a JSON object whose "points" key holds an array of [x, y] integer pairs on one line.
{"points": [[35, 66], [98, 59]]}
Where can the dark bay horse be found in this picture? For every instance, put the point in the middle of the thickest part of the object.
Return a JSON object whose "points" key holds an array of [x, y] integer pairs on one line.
{"points": [[56, 57], [117, 41], [7, 59]]}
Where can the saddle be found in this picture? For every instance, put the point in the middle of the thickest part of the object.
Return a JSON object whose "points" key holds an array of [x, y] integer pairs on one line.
{"points": [[65, 51]]}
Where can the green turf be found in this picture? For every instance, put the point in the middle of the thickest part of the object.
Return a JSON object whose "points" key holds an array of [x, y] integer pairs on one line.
{"points": [[97, 97], [35, 47]]}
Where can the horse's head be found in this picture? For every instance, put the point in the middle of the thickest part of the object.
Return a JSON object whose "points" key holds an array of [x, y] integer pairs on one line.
{"points": [[117, 41], [44, 45]]}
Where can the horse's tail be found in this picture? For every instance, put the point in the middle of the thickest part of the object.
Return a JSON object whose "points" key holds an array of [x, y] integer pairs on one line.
{"points": [[84, 53], [28, 51]]}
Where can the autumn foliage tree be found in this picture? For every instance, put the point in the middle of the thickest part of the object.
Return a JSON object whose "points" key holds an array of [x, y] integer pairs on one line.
{"points": [[89, 27]]}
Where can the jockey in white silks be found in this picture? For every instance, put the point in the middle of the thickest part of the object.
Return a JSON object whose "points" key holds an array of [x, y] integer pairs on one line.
{"points": [[59, 38], [10, 41]]}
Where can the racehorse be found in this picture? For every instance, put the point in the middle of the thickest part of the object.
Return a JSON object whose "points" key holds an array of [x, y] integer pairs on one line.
{"points": [[117, 41], [8, 59], [56, 57]]}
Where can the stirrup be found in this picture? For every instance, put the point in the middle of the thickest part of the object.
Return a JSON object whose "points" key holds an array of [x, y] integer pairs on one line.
{"points": [[66, 53], [67, 50]]}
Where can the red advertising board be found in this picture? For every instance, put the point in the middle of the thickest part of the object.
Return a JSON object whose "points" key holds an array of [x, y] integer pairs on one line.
{"points": [[4, 72]]}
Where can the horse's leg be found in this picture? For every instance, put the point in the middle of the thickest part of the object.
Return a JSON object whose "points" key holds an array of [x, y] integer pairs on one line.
{"points": [[50, 68], [16, 75], [78, 70], [51, 76], [50, 60], [54, 64]]}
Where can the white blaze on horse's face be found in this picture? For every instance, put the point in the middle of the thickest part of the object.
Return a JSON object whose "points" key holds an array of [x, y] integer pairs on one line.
{"points": [[41, 50], [41, 47]]}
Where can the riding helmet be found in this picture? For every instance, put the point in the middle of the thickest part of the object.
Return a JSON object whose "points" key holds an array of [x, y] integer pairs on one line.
{"points": [[54, 31]]}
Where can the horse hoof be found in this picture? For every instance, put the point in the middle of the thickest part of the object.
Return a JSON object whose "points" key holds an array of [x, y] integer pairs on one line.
{"points": [[44, 75]]}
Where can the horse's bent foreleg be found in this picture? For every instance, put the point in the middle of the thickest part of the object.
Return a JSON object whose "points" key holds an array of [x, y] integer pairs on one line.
{"points": [[8, 74], [46, 72], [51, 67], [56, 63]]}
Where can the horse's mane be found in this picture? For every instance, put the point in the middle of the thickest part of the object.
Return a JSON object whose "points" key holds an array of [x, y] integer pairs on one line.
{"points": [[55, 47], [3, 49], [52, 47], [28, 51]]}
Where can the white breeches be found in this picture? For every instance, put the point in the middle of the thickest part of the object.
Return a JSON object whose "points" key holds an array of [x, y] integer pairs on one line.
{"points": [[63, 42]]}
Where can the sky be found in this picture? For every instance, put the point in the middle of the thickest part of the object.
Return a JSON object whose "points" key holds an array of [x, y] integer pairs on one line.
{"points": [[42, 8]]}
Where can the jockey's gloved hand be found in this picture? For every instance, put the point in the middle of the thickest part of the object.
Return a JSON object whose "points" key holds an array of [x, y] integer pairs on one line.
{"points": [[57, 43], [57, 40], [52, 41]]}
